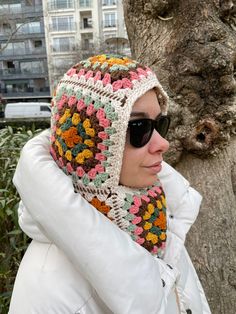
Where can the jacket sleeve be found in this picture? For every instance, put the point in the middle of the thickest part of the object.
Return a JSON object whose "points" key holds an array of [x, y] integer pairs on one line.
{"points": [[127, 277], [183, 203]]}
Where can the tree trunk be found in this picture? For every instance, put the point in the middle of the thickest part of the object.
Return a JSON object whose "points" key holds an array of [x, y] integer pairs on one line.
{"points": [[191, 46]]}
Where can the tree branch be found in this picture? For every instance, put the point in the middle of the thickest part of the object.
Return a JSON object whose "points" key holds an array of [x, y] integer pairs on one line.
{"points": [[12, 34]]}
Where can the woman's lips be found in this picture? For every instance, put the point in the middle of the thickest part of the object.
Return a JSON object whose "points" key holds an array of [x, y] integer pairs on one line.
{"points": [[154, 168]]}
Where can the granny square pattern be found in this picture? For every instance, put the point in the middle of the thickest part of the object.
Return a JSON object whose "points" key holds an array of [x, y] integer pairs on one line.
{"points": [[90, 114]]}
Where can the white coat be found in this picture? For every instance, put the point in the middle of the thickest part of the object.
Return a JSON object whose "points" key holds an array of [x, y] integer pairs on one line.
{"points": [[81, 262]]}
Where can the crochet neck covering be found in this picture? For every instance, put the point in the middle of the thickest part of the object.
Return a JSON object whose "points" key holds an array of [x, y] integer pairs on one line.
{"points": [[91, 108]]}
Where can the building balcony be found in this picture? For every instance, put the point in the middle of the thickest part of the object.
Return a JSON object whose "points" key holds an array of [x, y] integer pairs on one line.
{"points": [[29, 92], [20, 54], [85, 4], [8, 74], [71, 27], [54, 5], [109, 3], [28, 30], [87, 47], [84, 27], [110, 24], [65, 49], [25, 33], [8, 9]]}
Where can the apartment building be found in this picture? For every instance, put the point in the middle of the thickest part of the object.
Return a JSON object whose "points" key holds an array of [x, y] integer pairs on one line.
{"points": [[76, 29], [23, 59]]}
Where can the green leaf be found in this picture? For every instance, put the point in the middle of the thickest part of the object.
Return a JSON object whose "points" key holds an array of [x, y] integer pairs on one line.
{"points": [[14, 232]]}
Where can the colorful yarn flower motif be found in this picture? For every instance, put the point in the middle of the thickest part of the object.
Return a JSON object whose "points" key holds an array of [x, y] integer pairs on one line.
{"points": [[101, 206], [147, 219], [104, 68], [81, 138]]}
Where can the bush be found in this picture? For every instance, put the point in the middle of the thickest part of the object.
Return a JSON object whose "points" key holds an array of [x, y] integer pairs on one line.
{"points": [[13, 242]]}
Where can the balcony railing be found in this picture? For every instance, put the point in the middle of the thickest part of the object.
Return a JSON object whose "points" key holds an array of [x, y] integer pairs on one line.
{"points": [[109, 23], [108, 2], [62, 27], [84, 25], [63, 48], [10, 72], [87, 46], [9, 9], [22, 51], [29, 29], [59, 5], [25, 92], [85, 3]]}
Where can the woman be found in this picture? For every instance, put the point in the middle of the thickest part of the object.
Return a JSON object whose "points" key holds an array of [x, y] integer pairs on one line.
{"points": [[117, 256]]}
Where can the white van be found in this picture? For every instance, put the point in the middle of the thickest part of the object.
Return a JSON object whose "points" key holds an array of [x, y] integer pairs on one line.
{"points": [[27, 110]]}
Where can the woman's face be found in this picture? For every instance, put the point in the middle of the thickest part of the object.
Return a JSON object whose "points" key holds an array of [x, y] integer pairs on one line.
{"points": [[141, 165]]}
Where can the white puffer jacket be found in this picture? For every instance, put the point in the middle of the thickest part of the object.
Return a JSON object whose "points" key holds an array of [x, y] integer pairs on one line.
{"points": [[80, 262]]}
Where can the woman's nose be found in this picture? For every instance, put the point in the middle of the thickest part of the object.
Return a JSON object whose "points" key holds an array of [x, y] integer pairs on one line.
{"points": [[158, 143]]}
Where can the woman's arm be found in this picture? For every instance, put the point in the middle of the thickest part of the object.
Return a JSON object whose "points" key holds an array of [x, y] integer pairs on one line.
{"points": [[125, 275]]}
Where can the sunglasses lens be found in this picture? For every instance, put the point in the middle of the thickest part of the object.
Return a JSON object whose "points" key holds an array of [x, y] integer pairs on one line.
{"points": [[140, 132], [162, 125]]}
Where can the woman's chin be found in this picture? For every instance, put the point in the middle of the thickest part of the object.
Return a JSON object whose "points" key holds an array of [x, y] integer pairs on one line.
{"points": [[142, 183]]}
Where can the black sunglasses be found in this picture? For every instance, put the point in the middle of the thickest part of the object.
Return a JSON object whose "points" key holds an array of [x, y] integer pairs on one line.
{"points": [[140, 131]]}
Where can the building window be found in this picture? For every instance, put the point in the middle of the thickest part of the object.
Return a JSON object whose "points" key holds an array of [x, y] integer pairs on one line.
{"points": [[109, 2], [86, 22], [61, 4], [110, 19], [29, 28], [63, 23], [17, 86], [63, 44], [11, 8], [14, 49], [85, 3], [32, 67], [6, 28], [38, 44]]}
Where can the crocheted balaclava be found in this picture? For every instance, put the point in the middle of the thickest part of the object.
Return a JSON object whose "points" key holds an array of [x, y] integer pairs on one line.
{"points": [[90, 114]]}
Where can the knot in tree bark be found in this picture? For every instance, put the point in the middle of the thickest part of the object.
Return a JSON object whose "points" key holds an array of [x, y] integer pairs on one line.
{"points": [[203, 136], [157, 8]]}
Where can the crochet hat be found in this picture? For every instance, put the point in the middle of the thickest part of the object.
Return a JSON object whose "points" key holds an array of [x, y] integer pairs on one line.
{"points": [[90, 114]]}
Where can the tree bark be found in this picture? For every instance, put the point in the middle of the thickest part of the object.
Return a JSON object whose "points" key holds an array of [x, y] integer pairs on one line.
{"points": [[191, 46]]}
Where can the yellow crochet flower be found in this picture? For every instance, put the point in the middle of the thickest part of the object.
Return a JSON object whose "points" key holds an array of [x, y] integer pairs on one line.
{"points": [[147, 226], [59, 131], [89, 143], [80, 158], [86, 124], [90, 132], [146, 216], [99, 58], [113, 61], [152, 237], [159, 205], [68, 155], [162, 236], [65, 116], [150, 208], [124, 61], [76, 118], [127, 60], [87, 153], [60, 150], [163, 200]]}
